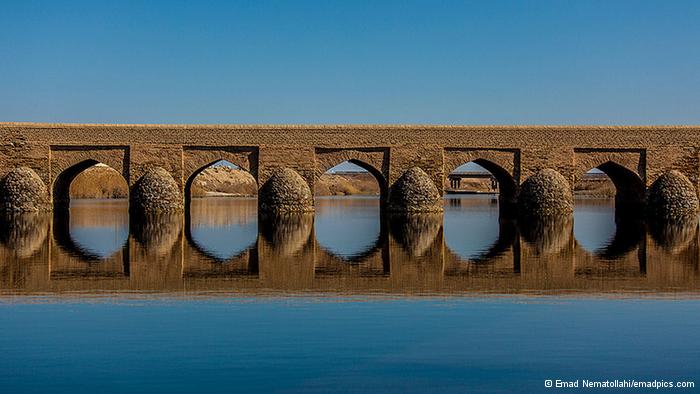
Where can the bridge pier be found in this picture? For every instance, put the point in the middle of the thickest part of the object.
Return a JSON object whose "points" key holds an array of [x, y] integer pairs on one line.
{"points": [[545, 194], [156, 191], [285, 191], [415, 191], [673, 198], [22, 190]]}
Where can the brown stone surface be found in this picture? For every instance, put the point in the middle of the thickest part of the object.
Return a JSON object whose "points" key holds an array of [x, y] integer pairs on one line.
{"points": [[517, 152], [673, 197], [544, 194], [21, 190], [285, 191], [156, 191], [415, 191]]}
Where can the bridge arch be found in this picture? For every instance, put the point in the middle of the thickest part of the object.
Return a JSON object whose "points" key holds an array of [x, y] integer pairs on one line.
{"points": [[503, 164], [193, 173], [630, 190], [374, 161], [376, 174], [61, 188], [220, 232], [507, 187], [626, 168]]}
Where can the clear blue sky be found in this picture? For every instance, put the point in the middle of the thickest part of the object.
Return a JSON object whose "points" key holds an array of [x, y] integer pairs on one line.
{"points": [[489, 62]]}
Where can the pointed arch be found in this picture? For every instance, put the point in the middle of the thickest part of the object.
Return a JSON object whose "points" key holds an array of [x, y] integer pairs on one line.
{"points": [[197, 158], [374, 161], [503, 164], [60, 189], [193, 175], [630, 189], [626, 168]]}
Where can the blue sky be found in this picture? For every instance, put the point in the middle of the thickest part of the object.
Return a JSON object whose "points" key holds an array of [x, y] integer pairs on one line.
{"points": [[437, 62]]}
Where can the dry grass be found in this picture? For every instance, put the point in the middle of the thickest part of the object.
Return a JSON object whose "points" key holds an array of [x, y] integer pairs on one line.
{"points": [[99, 182], [594, 188], [361, 183], [224, 181]]}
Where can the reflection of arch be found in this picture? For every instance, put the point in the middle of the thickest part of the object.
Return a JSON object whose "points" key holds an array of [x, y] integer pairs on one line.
{"points": [[628, 236], [193, 176], [506, 236], [507, 232], [62, 236], [61, 185], [375, 247], [374, 161], [203, 251], [502, 164]]}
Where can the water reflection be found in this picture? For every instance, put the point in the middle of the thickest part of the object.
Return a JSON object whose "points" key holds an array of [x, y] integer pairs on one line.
{"points": [[471, 225], [629, 235], [23, 234], [548, 236], [675, 237], [222, 228], [404, 254], [157, 234], [287, 234], [360, 232], [417, 232], [93, 230], [594, 223]]}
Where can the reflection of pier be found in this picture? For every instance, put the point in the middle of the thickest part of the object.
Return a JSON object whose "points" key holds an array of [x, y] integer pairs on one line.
{"points": [[410, 256], [455, 179]]}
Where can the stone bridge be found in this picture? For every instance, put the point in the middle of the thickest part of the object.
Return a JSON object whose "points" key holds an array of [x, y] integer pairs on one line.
{"points": [[410, 163]]}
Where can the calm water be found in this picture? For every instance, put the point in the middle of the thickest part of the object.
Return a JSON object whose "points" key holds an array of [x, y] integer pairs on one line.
{"points": [[342, 300]]}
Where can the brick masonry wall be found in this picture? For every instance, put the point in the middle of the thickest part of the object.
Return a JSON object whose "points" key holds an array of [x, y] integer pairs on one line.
{"points": [[180, 149]]}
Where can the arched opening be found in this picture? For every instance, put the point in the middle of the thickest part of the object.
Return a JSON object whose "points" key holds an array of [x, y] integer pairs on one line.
{"points": [[608, 199], [89, 180], [351, 178], [221, 179], [611, 179], [91, 210], [482, 178], [348, 199], [221, 216]]}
